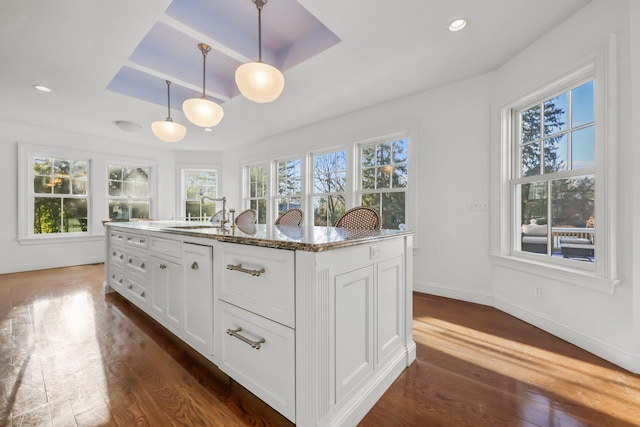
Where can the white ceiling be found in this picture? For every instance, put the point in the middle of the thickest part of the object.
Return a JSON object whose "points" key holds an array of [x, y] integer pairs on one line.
{"points": [[387, 49]]}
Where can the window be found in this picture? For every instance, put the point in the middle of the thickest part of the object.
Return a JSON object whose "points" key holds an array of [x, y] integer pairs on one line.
{"points": [[257, 181], [60, 195], [129, 195], [289, 185], [383, 180], [554, 177], [196, 185], [329, 185]]}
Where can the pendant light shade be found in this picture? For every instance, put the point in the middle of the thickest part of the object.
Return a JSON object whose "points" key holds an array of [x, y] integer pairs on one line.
{"points": [[167, 130], [201, 111], [258, 81]]}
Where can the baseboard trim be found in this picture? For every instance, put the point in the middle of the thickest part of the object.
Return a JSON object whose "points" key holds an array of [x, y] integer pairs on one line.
{"points": [[601, 349], [462, 295], [46, 266]]}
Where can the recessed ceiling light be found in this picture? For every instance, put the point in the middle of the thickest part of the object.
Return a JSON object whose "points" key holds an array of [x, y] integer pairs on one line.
{"points": [[128, 126], [457, 25], [42, 88], [208, 130]]}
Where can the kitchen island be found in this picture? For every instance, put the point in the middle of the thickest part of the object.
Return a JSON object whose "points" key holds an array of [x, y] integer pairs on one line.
{"points": [[315, 321]]}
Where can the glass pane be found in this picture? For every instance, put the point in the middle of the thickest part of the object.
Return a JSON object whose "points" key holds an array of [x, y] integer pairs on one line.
{"points": [[320, 211], [42, 166], [192, 210], [384, 177], [320, 183], [129, 188], [371, 200], [79, 169], [400, 151], [79, 186], [572, 208], [142, 189], [115, 172], [115, 188], [393, 210], [192, 193], [341, 161], [399, 176], [42, 185], [583, 148], [140, 209], [74, 215], [62, 184], [61, 167], [556, 154], [368, 156], [47, 215], [339, 180], [530, 120], [118, 210], [190, 179], [384, 154], [533, 213], [531, 159], [582, 111], [142, 175], [262, 211], [128, 174], [555, 114], [262, 189], [368, 179], [253, 189]]}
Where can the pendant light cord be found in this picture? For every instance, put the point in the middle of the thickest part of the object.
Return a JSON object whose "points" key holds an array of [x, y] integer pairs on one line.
{"points": [[168, 102], [205, 49], [260, 4]]}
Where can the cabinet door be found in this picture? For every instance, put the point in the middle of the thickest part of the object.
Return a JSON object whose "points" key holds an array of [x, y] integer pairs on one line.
{"points": [[389, 307], [198, 297], [353, 329], [166, 301]]}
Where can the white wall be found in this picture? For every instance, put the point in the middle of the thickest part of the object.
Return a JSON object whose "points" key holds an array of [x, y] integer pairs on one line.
{"points": [[594, 320]]}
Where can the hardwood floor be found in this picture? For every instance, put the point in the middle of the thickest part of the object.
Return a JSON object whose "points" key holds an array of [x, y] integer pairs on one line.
{"points": [[70, 355]]}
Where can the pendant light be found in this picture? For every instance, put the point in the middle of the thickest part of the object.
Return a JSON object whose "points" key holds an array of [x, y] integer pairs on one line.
{"points": [[201, 111], [167, 130], [258, 81]]}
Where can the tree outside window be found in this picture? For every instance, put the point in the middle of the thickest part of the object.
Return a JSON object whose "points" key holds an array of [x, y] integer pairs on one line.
{"points": [[329, 182], [60, 201], [383, 180], [289, 185]]}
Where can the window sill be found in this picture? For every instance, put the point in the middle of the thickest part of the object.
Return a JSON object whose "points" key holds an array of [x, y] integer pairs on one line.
{"points": [[563, 274], [58, 238]]}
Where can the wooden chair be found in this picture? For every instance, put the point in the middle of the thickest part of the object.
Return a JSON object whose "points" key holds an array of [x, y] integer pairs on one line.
{"points": [[360, 218], [248, 217], [293, 217]]}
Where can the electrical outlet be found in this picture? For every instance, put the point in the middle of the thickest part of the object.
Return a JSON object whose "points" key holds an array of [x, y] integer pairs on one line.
{"points": [[478, 206], [375, 252], [537, 291]]}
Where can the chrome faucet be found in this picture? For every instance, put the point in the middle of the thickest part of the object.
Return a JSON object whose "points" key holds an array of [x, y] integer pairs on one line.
{"points": [[224, 219]]}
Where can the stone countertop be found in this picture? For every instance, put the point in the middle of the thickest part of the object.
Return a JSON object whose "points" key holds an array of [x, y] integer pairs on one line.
{"points": [[313, 239]]}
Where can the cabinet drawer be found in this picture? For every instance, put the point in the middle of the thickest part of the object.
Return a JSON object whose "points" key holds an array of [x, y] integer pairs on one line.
{"points": [[137, 241], [260, 280], [137, 263], [116, 277], [116, 236], [267, 371], [116, 255], [166, 247], [136, 290]]}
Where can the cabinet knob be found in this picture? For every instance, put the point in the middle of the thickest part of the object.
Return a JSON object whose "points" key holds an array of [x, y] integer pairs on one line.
{"points": [[120, 280], [142, 294], [194, 266], [113, 276], [121, 256], [141, 240], [114, 253], [142, 265], [130, 286], [163, 267], [130, 260]]}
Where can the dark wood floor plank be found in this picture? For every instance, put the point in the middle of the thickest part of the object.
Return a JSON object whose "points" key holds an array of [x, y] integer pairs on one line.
{"points": [[70, 355]]}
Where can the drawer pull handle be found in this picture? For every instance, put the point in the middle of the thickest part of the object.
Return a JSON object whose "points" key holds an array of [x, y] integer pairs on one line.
{"points": [[142, 241], [245, 270], [254, 344], [130, 260], [121, 256], [120, 280], [114, 253], [142, 265], [130, 286], [128, 239], [162, 266], [142, 294], [194, 266], [113, 276]]}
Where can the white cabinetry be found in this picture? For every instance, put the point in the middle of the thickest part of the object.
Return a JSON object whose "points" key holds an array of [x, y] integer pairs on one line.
{"points": [[198, 297]]}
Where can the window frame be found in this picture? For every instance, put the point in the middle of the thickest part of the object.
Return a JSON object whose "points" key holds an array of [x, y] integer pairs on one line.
{"points": [[275, 196], [247, 199], [599, 66], [312, 194], [183, 170], [150, 184]]}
